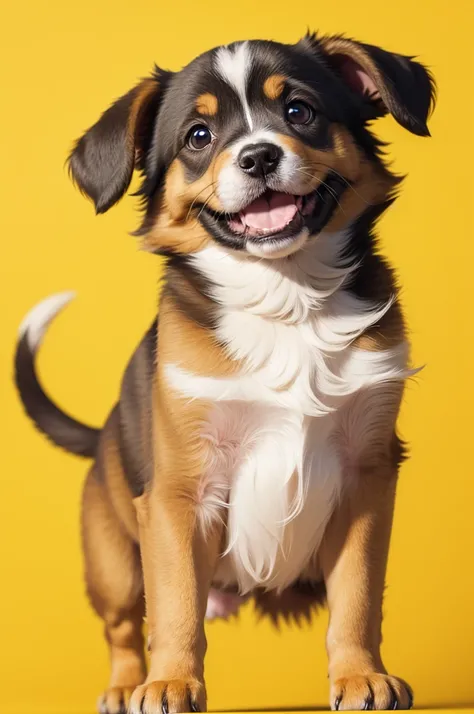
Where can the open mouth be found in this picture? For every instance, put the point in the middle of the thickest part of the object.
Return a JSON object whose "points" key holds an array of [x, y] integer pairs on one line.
{"points": [[276, 216], [271, 213]]}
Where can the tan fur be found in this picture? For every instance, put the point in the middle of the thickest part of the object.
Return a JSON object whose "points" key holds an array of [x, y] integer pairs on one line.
{"points": [[191, 346], [388, 333], [163, 520], [115, 587], [369, 185], [114, 478], [207, 104], [176, 225], [178, 561], [344, 157], [346, 48], [144, 92], [187, 236], [354, 556], [274, 85]]}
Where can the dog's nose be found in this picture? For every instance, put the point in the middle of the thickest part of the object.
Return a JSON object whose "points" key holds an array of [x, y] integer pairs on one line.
{"points": [[258, 160]]}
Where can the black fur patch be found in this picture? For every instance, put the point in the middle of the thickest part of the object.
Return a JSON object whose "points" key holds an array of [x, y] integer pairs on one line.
{"points": [[62, 429], [135, 414]]}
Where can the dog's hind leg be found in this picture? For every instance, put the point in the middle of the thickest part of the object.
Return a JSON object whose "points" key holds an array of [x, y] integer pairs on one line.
{"points": [[115, 587]]}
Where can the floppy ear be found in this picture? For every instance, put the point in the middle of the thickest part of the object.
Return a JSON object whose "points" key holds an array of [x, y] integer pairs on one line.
{"points": [[388, 82], [102, 161]]}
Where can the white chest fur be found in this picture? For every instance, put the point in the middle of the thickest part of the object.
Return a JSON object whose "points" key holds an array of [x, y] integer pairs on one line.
{"points": [[277, 462]]}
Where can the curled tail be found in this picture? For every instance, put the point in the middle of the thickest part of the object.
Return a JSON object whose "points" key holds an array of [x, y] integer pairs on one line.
{"points": [[59, 427]]}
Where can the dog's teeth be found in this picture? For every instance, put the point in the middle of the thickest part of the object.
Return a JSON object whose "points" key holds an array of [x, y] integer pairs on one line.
{"points": [[299, 203], [236, 223]]}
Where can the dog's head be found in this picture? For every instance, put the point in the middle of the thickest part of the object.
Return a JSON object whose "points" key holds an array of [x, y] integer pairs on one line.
{"points": [[257, 145]]}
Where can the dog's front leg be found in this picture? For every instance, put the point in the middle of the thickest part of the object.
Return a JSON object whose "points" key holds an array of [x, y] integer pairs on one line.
{"points": [[179, 559], [354, 556]]}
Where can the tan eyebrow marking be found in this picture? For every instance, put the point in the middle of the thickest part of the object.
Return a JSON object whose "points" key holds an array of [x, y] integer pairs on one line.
{"points": [[273, 86], [207, 104]]}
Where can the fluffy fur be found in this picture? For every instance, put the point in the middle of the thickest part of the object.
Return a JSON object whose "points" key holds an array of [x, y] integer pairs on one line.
{"points": [[253, 448], [278, 471], [36, 322]]}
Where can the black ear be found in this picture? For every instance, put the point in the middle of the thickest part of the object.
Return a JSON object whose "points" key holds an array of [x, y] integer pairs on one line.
{"points": [[387, 81], [102, 161]]}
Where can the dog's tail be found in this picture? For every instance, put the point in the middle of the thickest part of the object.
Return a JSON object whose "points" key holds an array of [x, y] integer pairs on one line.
{"points": [[61, 429]]}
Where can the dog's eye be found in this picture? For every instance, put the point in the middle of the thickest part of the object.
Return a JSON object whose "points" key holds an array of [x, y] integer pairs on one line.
{"points": [[199, 137], [299, 113]]}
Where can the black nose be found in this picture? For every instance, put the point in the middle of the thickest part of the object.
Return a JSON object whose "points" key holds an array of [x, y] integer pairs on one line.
{"points": [[260, 159]]}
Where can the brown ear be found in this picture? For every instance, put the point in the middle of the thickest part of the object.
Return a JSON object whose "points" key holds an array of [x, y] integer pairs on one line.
{"points": [[390, 82], [102, 161]]}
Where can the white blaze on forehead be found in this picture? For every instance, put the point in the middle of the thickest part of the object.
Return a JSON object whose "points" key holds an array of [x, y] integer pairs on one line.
{"points": [[234, 67]]}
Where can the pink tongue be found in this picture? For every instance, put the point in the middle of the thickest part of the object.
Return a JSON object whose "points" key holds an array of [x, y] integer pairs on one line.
{"points": [[272, 213]]}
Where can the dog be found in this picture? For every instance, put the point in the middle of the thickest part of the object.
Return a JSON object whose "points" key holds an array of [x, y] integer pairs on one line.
{"points": [[253, 450]]}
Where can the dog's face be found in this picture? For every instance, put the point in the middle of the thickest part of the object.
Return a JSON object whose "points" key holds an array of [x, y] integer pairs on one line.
{"points": [[258, 146]]}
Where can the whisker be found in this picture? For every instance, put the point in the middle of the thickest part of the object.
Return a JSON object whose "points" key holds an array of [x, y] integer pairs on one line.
{"points": [[205, 204], [343, 178], [196, 197], [323, 183]]}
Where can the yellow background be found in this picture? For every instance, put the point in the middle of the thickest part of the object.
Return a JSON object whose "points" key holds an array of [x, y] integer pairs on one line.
{"points": [[62, 63]]}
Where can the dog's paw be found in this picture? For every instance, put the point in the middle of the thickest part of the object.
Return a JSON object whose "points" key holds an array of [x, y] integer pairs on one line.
{"points": [[173, 697], [115, 700], [373, 691]]}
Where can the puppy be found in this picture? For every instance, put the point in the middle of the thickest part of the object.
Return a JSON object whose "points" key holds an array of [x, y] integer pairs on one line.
{"points": [[253, 450]]}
